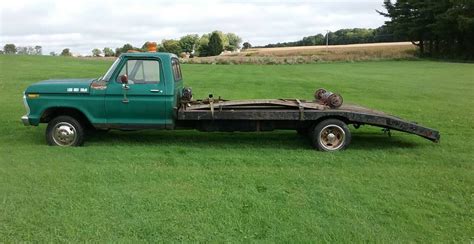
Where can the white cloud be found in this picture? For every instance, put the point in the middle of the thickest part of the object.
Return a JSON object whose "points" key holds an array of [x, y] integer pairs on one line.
{"points": [[84, 25]]}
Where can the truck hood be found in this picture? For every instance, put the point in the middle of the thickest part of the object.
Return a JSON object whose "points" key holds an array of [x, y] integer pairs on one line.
{"points": [[61, 86]]}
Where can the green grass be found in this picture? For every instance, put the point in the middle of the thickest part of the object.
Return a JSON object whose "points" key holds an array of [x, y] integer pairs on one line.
{"points": [[192, 186]]}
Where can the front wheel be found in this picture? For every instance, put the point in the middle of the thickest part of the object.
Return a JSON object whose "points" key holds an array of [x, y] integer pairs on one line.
{"points": [[331, 135], [65, 131]]}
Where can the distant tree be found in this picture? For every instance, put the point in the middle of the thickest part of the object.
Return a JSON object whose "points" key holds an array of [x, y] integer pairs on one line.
{"points": [[26, 50], [224, 38], [171, 46], [22, 50], [345, 36], [38, 50], [246, 45], [144, 47], [108, 52], [1, 52], [203, 46], [53, 54], [188, 42], [66, 52], [117, 52], [216, 44], [438, 28], [127, 47], [160, 48], [234, 42], [9, 49], [96, 52]]}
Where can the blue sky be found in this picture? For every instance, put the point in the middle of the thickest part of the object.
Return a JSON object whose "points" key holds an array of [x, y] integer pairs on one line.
{"points": [[87, 24]]}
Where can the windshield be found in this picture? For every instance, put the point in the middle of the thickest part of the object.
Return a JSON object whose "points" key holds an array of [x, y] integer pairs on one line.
{"points": [[109, 72]]}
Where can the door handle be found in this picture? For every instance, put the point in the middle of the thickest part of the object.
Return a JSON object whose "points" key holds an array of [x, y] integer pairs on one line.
{"points": [[156, 91]]}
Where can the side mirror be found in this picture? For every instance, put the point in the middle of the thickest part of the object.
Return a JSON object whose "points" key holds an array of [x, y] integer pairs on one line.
{"points": [[124, 79]]}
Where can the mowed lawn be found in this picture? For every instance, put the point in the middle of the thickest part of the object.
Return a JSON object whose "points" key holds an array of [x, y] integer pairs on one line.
{"points": [[228, 187]]}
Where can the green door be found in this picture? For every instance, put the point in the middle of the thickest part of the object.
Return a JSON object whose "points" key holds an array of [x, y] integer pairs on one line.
{"points": [[143, 101]]}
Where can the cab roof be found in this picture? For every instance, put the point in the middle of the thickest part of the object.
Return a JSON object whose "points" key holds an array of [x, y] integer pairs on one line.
{"points": [[149, 54]]}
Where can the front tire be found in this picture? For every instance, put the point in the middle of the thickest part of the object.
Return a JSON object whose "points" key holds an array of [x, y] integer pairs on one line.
{"points": [[331, 135], [65, 131]]}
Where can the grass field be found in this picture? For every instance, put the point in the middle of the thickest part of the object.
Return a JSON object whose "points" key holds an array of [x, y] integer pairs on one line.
{"points": [[228, 187]]}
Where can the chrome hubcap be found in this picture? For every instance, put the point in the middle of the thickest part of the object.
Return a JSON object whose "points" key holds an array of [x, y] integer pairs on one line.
{"points": [[64, 134], [332, 137]]}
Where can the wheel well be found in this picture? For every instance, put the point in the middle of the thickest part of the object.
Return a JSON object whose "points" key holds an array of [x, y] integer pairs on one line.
{"points": [[341, 118], [52, 113], [311, 123]]}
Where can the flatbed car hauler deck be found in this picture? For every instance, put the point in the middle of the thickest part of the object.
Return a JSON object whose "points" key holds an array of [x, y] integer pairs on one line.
{"points": [[145, 90]]}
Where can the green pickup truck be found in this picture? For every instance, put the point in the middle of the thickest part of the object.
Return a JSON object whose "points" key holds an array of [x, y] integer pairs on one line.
{"points": [[145, 91]]}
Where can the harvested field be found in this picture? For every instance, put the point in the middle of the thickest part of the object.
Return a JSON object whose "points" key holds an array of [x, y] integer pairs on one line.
{"points": [[313, 54]]}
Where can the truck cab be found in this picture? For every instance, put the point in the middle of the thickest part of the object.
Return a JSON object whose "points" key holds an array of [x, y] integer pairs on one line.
{"points": [[140, 90]]}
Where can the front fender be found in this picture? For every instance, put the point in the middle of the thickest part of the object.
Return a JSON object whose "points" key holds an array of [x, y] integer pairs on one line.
{"points": [[92, 107]]}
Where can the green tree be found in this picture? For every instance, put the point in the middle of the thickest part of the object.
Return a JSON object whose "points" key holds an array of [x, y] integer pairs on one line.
{"points": [[171, 46], [246, 45], [96, 52], [38, 50], [234, 42], [188, 42], [127, 47], [438, 28], [108, 52], [117, 52], [53, 54], [9, 49], [66, 52], [216, 44], [203, 46], [22, 51]]}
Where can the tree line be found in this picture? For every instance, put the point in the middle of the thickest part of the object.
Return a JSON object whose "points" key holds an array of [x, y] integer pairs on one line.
{"points": [[24, 50], [442, 28], [210, 44], [345, 36]]}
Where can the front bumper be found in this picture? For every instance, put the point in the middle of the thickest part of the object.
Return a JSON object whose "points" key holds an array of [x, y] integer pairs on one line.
{"points": [[25, 120]]}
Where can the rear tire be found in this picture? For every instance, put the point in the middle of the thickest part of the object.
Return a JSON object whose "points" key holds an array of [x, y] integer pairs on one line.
{"points": [[65, 131], [331, 135]]}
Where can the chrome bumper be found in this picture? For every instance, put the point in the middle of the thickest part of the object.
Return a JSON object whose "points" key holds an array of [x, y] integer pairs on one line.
{"points": [[25, 120]]}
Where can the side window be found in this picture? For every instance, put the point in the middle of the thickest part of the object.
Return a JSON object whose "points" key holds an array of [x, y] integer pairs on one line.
{"points": [[141, 71], [176, 70]]}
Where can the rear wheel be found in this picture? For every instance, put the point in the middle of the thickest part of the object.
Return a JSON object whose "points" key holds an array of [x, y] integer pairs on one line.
{"points": [[65, 131], [331, 135]]}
